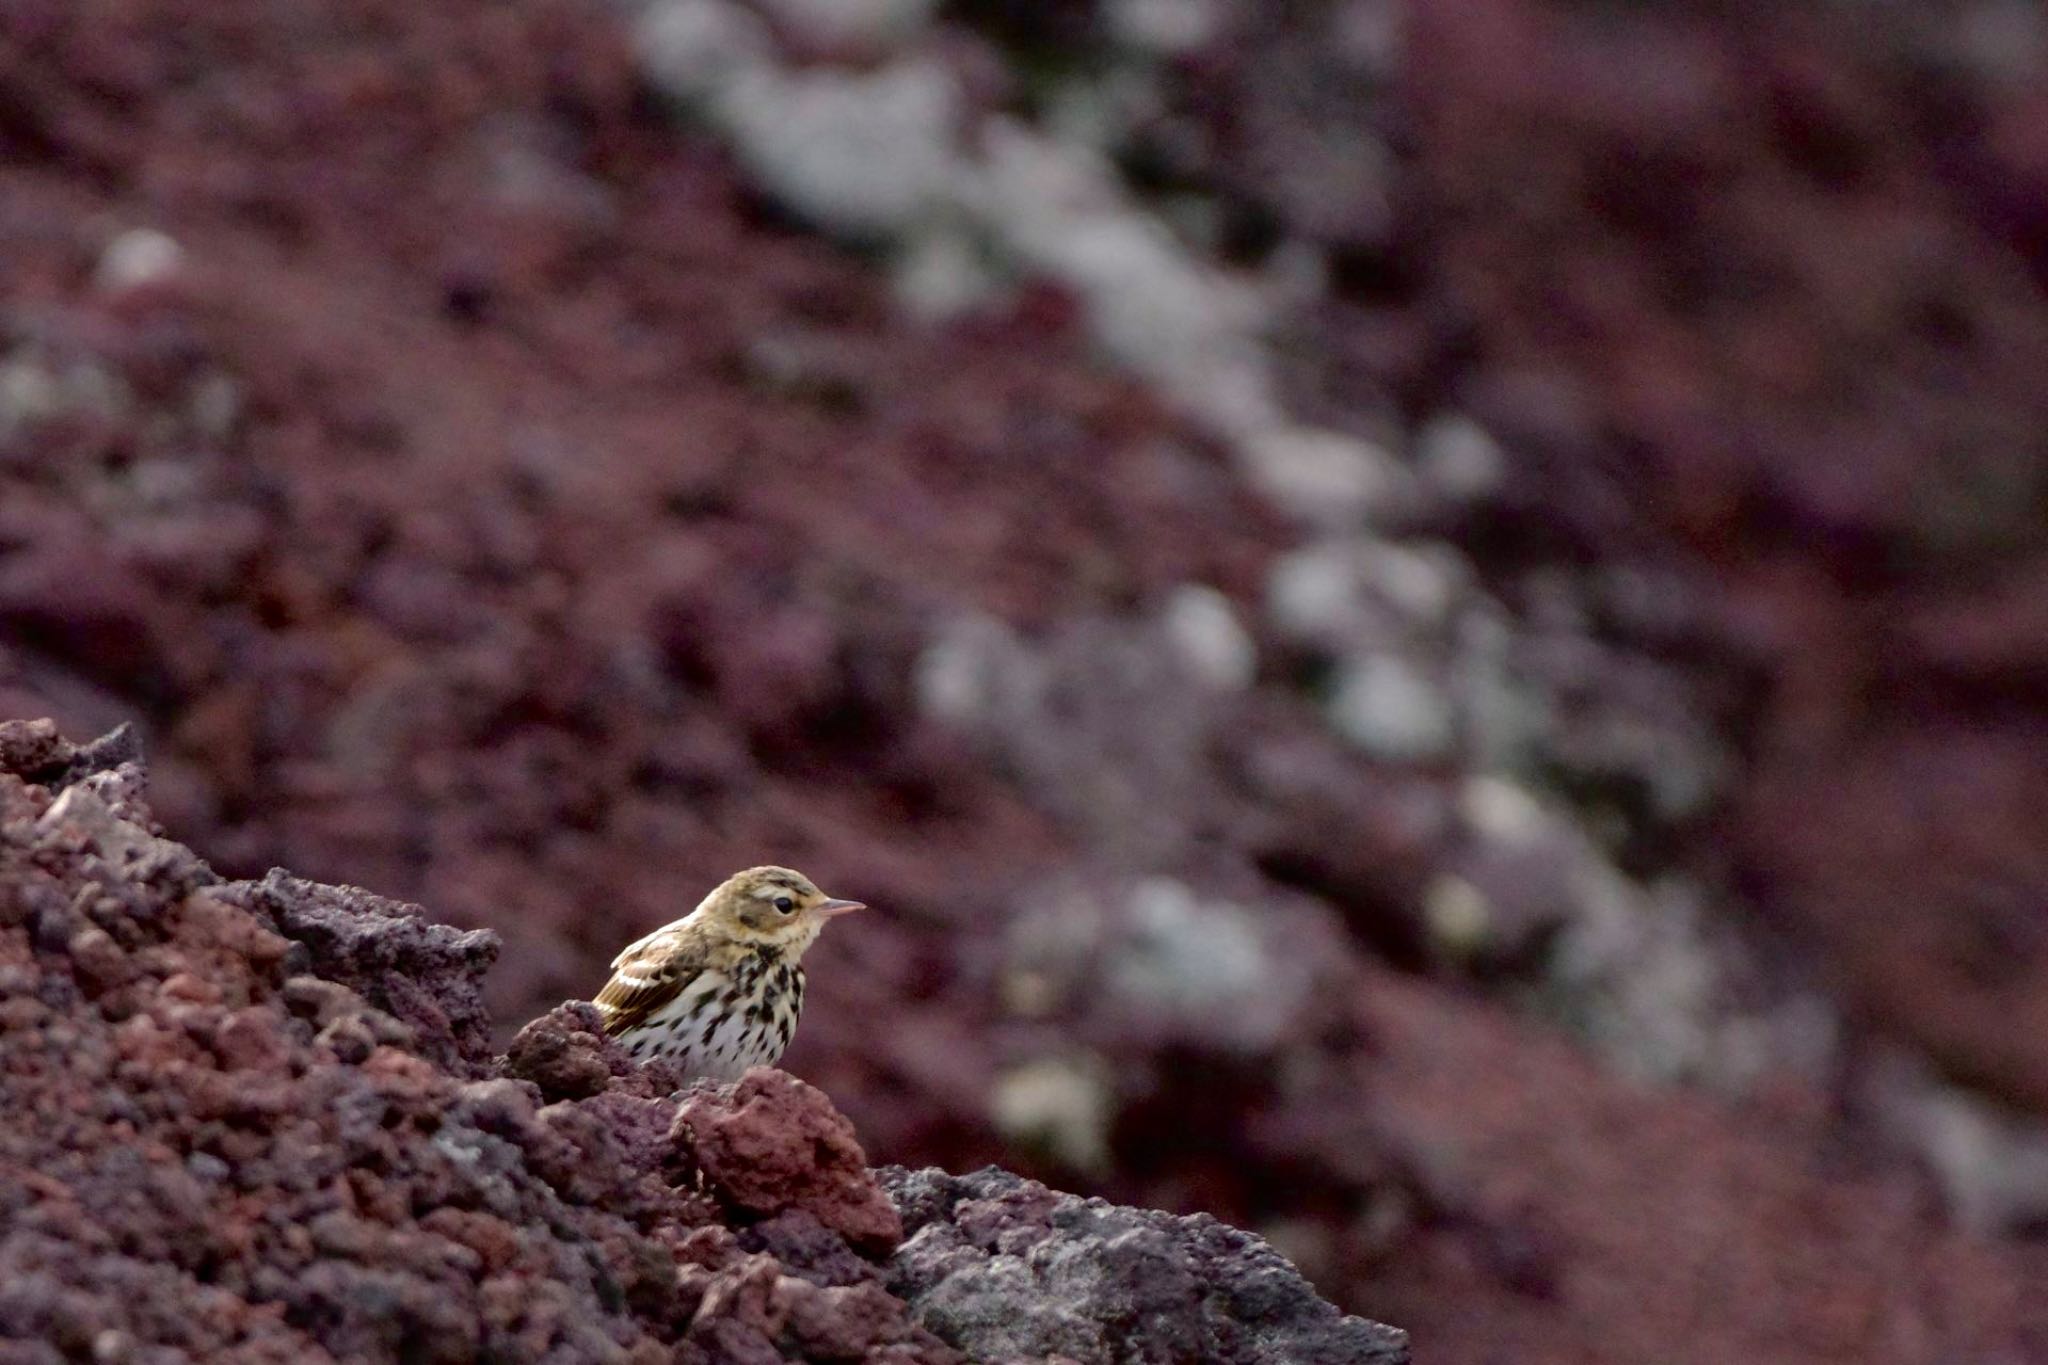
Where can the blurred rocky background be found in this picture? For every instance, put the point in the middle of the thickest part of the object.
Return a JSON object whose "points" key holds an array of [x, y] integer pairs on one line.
{"points": [[1428, 625]]}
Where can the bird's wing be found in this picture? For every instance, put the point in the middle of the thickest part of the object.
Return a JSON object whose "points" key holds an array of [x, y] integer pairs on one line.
{"points": [[647, 976]]}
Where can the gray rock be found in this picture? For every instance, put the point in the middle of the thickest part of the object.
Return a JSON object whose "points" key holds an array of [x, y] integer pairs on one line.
{"points": [[1202, 625], [1458, 459], [1323, 478], [1005, 1269], [137, 258], [1392, 709], [1161, 962], [863, 26], [866, 156], [694, 50]]}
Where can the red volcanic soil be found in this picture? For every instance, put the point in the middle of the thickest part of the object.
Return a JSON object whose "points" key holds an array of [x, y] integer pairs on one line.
{"points": [[569, 535], [495, 506], [1783, 286]]}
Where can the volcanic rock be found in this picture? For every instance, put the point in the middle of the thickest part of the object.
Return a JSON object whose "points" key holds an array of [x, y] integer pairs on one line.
{"points": [[258, 1120], [1008, 1269]]}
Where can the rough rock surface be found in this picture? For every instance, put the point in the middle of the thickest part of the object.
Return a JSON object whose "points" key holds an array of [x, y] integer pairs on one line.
{"points": [[765, 1147], [250, 1121], [1008, 1269]]}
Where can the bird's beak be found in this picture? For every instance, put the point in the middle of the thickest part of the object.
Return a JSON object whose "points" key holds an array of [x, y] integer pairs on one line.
{"points": [[827, 909]]}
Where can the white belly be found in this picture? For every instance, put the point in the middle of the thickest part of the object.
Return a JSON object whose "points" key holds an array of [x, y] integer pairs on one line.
{"points": [[709, 1036]]}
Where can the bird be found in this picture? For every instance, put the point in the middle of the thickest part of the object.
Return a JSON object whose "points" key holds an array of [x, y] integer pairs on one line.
{"points": [[719, 990]]}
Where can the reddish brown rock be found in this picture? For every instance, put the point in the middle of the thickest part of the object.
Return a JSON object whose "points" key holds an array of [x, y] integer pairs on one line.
{"points": [[564, 1054], [772, 1143], [31, 747], [427, 976], [215, 1157]]}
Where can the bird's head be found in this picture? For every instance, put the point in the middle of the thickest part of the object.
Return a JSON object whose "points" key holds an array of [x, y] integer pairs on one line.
{"points": [[772, 907]]}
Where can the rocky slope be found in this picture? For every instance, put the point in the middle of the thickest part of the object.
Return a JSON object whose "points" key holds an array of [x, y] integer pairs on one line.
{"points": [[261, 1121]]}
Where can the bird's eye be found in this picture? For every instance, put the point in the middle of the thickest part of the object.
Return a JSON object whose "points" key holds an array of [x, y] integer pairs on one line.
{"points": [[784, 904]]}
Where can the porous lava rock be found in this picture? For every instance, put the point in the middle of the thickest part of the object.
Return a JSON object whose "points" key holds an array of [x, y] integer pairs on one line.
{"points": [[253, 1121], [769, 1144], [1008, 1269], [257, 1121], [426, 974]]}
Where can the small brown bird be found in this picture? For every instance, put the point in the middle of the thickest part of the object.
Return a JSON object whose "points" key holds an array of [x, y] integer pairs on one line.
{"points": [[719, 990]]}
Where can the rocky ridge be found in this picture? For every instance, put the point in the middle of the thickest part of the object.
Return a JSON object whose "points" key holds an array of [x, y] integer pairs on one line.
{"points": [[261, 1121]]}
